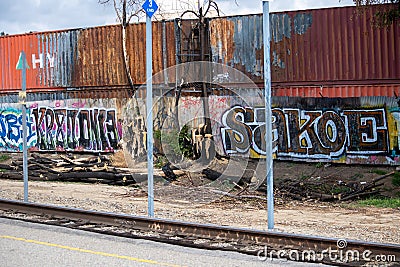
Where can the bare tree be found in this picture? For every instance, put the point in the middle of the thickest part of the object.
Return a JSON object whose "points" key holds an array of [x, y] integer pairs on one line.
{"points": [[126, 10], [201, 13], [175, 8], [387, 15]]}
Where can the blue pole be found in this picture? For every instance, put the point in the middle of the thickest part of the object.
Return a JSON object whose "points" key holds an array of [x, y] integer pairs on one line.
{"points": [[149, 106], [268, 115], [24, 130]]}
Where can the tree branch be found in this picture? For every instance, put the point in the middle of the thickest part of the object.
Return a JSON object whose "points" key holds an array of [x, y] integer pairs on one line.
{"points": [[189, 11], [117, 11]]}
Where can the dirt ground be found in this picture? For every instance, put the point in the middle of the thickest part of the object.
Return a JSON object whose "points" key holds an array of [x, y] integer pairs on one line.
{"points": [[193, 198], [347, 220]]}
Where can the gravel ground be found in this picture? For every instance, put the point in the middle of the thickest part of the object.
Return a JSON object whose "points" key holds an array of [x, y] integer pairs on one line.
{"points": [[176, 202]]}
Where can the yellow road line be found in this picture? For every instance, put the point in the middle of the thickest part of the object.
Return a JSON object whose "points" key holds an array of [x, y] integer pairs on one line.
{"points": [[87, 251]]}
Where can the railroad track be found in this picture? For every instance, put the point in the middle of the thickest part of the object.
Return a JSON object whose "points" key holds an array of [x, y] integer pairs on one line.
{"points": [[266, 245]]}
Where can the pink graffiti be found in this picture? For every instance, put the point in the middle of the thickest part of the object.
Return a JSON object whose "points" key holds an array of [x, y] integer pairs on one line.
{"points": [[78, 104], [373, 159], [222, 100], [217, 106], [190, 102], [34, 105]]}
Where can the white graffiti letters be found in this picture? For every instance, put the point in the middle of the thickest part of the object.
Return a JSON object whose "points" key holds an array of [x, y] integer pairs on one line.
{"points": [[325, 134]]}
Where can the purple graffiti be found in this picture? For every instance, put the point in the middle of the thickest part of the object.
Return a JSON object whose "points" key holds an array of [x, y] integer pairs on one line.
{"points": [[92, 129]]}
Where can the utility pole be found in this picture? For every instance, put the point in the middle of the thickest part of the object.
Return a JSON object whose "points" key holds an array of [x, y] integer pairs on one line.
{"points": [[22, 65], [268, 115], [150, 7]]}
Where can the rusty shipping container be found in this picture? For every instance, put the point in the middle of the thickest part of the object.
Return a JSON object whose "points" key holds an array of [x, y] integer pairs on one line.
{"points": [[332, 52], [84, 58], [313, 49]]}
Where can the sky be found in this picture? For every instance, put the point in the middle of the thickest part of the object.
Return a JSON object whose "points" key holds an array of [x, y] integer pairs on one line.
{"points": [[22, 16]]}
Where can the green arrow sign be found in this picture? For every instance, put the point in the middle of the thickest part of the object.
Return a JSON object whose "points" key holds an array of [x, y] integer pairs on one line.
{"points": [[22, 62]]}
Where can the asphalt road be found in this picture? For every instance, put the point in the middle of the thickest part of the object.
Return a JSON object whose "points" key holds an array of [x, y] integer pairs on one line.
{"points": [[29, 244]]}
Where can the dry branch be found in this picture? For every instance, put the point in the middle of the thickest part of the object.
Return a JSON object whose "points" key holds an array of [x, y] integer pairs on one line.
{"points": [[309, 189], [238, 197]]}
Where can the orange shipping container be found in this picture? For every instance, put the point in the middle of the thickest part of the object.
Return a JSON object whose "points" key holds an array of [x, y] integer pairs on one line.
{"points": [[83, 58]]}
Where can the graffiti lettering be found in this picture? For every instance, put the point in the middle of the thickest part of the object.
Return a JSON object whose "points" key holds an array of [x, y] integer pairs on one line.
{"points": [[72, 129], [237, 131], [300, 133], [11, 130], [49, 129], [367, 131]]}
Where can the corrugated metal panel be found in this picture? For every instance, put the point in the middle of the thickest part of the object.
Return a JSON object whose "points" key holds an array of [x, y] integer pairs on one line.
{"points": [[79, 58], [100, 59], [388, 90], [62, 95], [326, 45], [49, 56], [237, 42]]}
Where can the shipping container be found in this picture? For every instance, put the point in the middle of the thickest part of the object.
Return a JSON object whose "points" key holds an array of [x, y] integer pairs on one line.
{"points": [[84, 58], [333, 47], [311, 48]]}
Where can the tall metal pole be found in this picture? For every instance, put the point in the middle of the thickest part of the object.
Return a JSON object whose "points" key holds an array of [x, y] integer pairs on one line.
{"points": [[24, 131], [268, 115], [149, 107], [22, 65]]}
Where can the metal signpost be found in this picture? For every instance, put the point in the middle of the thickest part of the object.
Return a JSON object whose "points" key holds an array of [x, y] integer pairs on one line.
{"points": [[150, 7], [22, 65], [268, 116]]}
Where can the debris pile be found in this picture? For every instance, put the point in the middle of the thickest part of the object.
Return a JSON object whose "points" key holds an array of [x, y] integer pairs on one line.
{"points": [[71, 168], [314, 188]]}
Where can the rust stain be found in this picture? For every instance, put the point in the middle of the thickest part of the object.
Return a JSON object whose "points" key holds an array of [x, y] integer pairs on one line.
{"points": [[221, 39], [334, 45]]}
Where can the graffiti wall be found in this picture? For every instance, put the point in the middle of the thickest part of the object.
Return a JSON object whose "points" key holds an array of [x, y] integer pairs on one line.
{"points": [[348, 130], [60, 126], [344, 130], [354, 135], [309, 134]]}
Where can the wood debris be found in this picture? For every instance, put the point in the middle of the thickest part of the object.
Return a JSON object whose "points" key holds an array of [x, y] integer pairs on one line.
{"points": [[323, 191], [71, 168]]}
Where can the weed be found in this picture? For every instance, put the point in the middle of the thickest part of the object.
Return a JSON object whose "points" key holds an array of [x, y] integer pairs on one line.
{"points": [[379, 172], [160, 161], [4, 157], [381, 202], [290, 164], [357, 176], [339, 190], [179, 142], [396, 179], [304, 177], [319, 165]]}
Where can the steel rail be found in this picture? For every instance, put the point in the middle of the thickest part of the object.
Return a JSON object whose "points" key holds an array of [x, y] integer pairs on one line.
{"points": [[274, 242]]}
